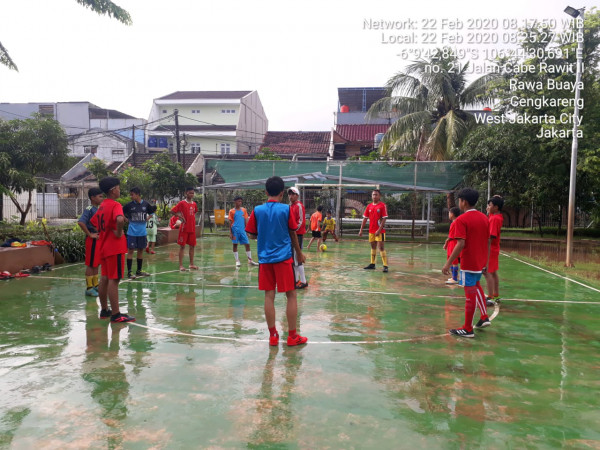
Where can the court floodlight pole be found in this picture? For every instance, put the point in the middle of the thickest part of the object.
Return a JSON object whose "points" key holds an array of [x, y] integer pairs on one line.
{"points": [[575, 13]]}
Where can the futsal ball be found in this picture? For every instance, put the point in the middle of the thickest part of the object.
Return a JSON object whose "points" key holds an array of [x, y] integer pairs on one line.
{"points": [[177, 223], [323, 247]]}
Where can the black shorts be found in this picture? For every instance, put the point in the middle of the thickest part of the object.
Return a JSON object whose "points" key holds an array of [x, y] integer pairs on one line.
{"points": [[136, 242], [316, 234]]}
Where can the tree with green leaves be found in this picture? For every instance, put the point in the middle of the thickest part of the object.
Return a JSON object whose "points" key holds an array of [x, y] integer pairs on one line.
{"points": [[29, 148], [430, 97], [267, 154], [98, 168], [102, 7]]}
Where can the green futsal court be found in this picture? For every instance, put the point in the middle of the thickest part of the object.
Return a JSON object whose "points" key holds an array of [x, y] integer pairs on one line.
{"points": [[379, 371]]}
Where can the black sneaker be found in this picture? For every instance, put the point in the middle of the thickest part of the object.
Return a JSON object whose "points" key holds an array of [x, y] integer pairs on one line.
{"points": [[483, 323], [141, 273], [130, 276], [462, 333], [385, 269], [370, 267], [105, 313], [120, 318], [490, 303]]}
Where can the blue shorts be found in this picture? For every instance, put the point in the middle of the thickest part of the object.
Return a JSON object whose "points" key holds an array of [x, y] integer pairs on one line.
{"points": [[239, 237], [136, 242], [469, 278]]}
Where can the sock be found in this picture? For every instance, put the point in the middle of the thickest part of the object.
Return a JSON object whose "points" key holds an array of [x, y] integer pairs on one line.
{"points": [[471, 295], [455, 273], [249, 254], [273, 331], [383, 254], [95, 281], [129, 264], [292, 333], [140, 261], [373, 253], [236, 256], [481, 301], [496, 295], [300, 269], [89, 282]]}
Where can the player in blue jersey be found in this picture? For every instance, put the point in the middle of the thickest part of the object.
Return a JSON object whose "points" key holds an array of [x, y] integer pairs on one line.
{"points": [[136, 212], [275, 228], [238, 218]]}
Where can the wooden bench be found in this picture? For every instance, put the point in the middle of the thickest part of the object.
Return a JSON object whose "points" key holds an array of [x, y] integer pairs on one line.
{"points": [[170, 235], [14, 259]]}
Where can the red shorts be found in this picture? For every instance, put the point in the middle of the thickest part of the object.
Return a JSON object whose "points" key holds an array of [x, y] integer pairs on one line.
{"points": [[186, 238], [112, 266], [279, 274], [92, 253], [493, 265]]}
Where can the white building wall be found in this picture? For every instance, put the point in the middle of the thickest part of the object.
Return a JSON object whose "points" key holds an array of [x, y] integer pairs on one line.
{"points": [[11, 213], [108, 147], [252, 125]]}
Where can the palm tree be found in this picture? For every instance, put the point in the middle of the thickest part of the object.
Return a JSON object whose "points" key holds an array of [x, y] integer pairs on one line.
{"points": [[429, 97], [103, 7]]}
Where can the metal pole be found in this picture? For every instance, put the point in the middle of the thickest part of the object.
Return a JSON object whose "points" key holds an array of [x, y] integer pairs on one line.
{"points": [[339, 200], [203, 196], [489, 181], [428, 213], [574, 146], [177, 145]]}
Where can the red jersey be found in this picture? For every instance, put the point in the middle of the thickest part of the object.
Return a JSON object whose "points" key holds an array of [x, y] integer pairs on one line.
{"points": [[496, 221], [375, 213], [315, 219], [188, 210], [298, 213], [105, 221], [452, 237], [472, 226]]}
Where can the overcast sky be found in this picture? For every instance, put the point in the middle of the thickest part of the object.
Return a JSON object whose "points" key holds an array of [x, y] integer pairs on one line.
{"points": [[295, 55]]}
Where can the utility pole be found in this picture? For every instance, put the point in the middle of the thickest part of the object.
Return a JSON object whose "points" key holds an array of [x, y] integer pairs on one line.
{"points": [[176, 112], [133, 143]]}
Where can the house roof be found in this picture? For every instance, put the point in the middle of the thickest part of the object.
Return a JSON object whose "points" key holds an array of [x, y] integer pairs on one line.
{"points": [[190, 128], [102, 113], [360, 133], [189, 95], [292, 142], [360, 98], [141, 158]]}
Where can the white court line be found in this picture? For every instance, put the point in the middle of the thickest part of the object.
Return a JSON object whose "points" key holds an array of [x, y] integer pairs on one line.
{"points": [[253, 341], [552, 273], [64, 267]]}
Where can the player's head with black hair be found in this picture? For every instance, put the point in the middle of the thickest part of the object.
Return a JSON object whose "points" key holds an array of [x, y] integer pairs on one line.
{"points": [[93, 192], [107, 184], [470, 196], [151, 209], [319, 208], [274, 186], [497, 201], [135, 190], [455, 211]]}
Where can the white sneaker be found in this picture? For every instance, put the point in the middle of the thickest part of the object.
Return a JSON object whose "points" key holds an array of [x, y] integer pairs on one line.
{"points": [[451, 281], [252, 263], [238, 264]]}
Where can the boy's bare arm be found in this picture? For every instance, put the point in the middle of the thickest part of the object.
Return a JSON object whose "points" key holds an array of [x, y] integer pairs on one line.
{"points": [[460, 244], [299, 255]]}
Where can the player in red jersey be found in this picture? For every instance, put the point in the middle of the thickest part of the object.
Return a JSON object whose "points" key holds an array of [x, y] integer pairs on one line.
{"points": [[450, 243], [109, 221], [298, 212], [376, 213], [186, 211], [472, 244], [494, 208]]}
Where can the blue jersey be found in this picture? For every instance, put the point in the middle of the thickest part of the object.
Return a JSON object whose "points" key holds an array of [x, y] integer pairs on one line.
{"points": [[136, 213], [87, 216], [271, 223]]}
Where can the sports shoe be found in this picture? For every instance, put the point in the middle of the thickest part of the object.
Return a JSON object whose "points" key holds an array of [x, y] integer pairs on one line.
{"points": [[105, 313], [451, 281], [91, 292], [274, 340], [121, 318], [462, 333], [141, 273], [152, 252], [301, 285], [385, 269], [147, 250], [490, 302], [296, 340], [497, 300], [252, 262], [238, 264], [483, 323], [130, 276], [370, 267]]}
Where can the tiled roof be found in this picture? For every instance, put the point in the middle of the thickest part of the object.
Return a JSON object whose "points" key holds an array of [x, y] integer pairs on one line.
{"points": [[183, 128], [292, 142], [191, 95], [360, 133]]}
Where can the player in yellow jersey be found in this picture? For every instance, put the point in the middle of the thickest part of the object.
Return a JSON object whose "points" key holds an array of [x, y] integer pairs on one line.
{"points": [[329, 227]]}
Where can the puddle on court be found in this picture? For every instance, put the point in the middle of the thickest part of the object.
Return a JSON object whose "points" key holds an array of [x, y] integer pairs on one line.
{"points": [[583, 252]]}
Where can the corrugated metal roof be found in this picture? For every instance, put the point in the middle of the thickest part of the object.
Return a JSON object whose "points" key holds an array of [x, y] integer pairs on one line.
{"points": [[292, 142], [190, 95], [183, 128]]}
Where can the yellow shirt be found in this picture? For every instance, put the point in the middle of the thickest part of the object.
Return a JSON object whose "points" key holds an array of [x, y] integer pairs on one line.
{"points": [[329, 224]]}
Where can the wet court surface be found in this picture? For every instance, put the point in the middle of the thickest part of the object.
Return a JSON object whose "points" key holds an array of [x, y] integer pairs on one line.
{"points": [[196, 371]]}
